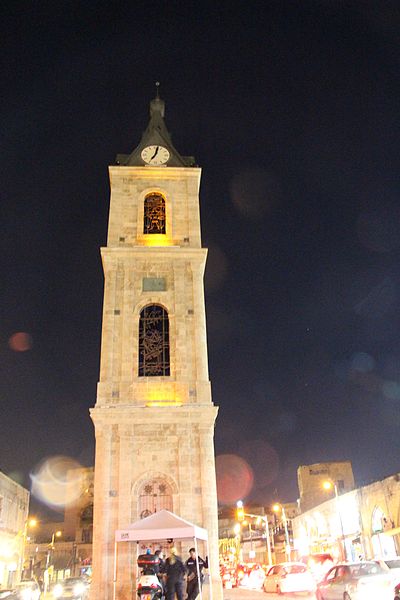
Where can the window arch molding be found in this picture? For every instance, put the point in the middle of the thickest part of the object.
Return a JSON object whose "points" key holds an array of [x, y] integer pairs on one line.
{"points": [[377, 517], [140, 214], [137, 506]]}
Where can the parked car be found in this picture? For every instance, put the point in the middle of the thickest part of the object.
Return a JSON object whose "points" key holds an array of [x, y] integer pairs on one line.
{"points": [[7, 594], [397, 592], [393, 564], [365, 580], [253, 578], [72, 588], [27, 590], [318, 564], [289, 577], [228, 576]]}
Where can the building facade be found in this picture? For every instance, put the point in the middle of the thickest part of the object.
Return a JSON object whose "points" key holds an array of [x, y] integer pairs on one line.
{"points": [[363, 523], [311, 479], [14, 507], [154, 417]]}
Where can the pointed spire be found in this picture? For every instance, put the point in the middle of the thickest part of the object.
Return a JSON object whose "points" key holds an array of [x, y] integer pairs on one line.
{"points": [[156, 134]]}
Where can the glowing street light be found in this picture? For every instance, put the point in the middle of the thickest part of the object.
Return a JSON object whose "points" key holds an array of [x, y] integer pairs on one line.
{"points": [[241, 514], [29, 523], [329, 485], [279, 508], [55, 534]]}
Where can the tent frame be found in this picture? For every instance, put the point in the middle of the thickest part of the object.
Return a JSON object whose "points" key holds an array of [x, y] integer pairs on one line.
{"points": [[154, 538]]}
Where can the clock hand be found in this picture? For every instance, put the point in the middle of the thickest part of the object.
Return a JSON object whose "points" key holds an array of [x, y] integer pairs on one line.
{"points": [[155, 153]]}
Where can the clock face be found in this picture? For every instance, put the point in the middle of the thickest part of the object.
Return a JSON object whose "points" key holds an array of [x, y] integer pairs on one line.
{"points": [[155, 155]]}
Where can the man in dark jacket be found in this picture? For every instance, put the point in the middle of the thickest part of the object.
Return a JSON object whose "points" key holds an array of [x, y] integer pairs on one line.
{"points": [[175, 572], [193, 580]]}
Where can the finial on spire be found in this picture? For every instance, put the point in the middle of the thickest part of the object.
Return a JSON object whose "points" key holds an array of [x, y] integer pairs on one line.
{"points": [[157, 105]]}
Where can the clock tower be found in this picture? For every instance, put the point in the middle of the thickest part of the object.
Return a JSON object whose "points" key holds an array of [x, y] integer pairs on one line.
{"points": [[154, 417]]}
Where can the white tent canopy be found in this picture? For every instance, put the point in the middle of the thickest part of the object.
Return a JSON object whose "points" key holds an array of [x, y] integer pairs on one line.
{"points": [[162, 525]]}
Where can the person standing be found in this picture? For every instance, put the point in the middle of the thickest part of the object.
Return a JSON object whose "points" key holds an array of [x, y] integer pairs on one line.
{"points": [[193, 580], [175, 572]]}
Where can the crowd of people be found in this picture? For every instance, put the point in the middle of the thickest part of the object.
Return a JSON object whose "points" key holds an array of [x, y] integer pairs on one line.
{"points": [[180, 579]]}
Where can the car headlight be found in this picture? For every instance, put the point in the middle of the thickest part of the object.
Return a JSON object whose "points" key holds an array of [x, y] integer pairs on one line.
{"points": [[57, 590], [79, 588], [26, 594]]}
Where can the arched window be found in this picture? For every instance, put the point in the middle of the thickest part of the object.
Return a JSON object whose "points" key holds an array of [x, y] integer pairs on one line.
{"points": [[154, 495], [153, 341], [378, 519], [154, 213]]}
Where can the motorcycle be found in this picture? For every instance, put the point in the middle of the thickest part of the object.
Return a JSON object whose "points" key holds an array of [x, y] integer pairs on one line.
{"points": [[149, 586]]}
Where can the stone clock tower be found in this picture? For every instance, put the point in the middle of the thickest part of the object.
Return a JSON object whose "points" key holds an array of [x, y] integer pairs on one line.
{"points": [[154, 417]]}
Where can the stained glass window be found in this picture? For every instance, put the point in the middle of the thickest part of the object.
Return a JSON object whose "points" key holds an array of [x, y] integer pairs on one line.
{"points": [[153, 341], [154, 213]]}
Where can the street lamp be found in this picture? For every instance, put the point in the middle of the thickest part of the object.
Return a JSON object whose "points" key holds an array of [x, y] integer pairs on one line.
{"points": [[328, 485], [279, 508], [29, 523], [241, 514], [55, 534]]}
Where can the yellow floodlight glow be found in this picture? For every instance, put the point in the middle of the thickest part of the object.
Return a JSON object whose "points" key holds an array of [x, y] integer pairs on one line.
{"points": [[157, 239], [327, 485], [58, 533], [159, 398], [158, 403], [276, 507], [32, 522]]}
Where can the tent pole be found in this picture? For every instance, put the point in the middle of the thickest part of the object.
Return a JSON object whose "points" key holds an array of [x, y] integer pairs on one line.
{"points": [[197, 567], [209, 571], [115, 571], [137, 567]]}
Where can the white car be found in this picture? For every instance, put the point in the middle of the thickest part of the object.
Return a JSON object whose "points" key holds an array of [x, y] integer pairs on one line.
{"points": [[364, 580], [289, 577]]}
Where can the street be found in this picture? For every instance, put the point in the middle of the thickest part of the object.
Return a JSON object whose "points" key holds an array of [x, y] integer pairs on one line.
{"points": [[243, 594]]}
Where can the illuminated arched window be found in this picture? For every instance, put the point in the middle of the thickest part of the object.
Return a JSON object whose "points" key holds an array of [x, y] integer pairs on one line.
{"points": [[153, 341], [154, 213], [154, 495], [378, 520]]}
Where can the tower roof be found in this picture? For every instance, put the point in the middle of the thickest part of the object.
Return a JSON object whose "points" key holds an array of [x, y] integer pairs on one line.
{"points": [[156, 134]]}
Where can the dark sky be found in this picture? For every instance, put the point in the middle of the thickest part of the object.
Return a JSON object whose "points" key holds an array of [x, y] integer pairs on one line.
{"points": [[292, 110]]}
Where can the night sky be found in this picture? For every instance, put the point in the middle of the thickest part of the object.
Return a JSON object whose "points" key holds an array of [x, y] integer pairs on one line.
{"points": [[291, 108]]}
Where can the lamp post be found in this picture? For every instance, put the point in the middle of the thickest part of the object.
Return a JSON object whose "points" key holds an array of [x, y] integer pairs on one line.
{"points": [[49, 551], [328, 485], [241, 515], [28, 524], [279, 508]]}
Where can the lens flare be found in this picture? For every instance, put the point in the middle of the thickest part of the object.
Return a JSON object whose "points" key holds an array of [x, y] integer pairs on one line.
{"points": [[20, 342], [234, 478], [58, 481], [255, 192]]}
